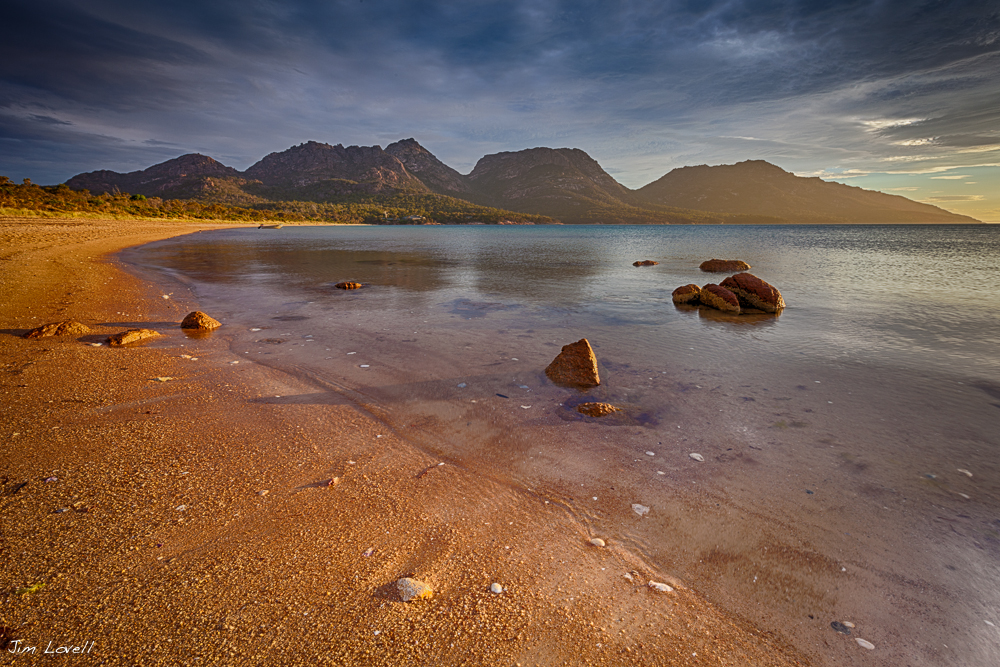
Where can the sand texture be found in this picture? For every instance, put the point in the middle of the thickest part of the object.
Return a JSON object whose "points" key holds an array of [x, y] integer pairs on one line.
{"points": [[162, 503]]}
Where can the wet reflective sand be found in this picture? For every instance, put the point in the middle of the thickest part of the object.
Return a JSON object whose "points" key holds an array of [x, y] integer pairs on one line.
{"points": [[832, 436]]}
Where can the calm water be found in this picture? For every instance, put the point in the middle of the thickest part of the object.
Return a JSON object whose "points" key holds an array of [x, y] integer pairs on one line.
{"points": [[839, 437]]}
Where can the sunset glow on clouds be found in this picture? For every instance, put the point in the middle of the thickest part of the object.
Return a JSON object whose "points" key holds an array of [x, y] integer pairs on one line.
{"points": [[876, 94]]}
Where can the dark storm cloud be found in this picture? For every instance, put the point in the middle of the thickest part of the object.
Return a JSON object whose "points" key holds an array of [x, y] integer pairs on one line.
{"points": [[643, 86]]}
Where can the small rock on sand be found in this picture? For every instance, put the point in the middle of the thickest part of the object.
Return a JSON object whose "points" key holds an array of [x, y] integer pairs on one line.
{"points": [[132, 336], [840, 627], [697, 457], [650, 453], [496, 588], [347, 284], [64, 328], [663, 588], [864, 643], [641, 510], [597, 542], [413, 589], [200, 321], [597, 409]]}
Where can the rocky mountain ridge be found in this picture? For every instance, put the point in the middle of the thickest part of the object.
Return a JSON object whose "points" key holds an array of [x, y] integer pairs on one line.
{"points": [[563, 183]]}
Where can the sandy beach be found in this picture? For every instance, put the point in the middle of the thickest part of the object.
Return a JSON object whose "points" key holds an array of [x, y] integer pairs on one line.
{"points": [[157, 508]]}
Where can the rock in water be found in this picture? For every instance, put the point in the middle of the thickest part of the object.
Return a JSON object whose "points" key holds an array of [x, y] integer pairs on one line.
{"points": [[348, 285], [413, 589], [201, 321], [645, 262], [575, 366], [597, 409], [754, 292], [132, 336], [64, 328], [687, 294], [724, 265], [720, 298]]}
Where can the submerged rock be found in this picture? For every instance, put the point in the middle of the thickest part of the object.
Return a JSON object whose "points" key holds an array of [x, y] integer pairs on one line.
{"points": [[575, 366], [348, 285], [720, 298], [64, 328], [132, 336], [724, 265], [645, 262], [597, 409], [753, 292], [687, 294], [413, 589], [201, 321]]}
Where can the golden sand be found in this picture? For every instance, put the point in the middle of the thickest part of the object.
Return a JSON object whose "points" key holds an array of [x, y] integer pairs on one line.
{"points": [[191, 521]]}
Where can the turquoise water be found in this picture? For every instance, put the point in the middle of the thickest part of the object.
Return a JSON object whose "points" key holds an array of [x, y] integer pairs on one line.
{"points": [[858, 428]]}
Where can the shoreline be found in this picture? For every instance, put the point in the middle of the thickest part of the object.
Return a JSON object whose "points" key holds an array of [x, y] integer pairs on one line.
{"points": [[170, 549]]}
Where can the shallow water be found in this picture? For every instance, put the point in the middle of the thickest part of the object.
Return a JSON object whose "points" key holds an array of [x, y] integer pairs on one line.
{"points": [[832, 434]]}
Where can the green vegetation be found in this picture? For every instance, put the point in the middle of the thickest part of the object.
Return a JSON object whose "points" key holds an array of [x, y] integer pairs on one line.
{"points": [[418, 208]]}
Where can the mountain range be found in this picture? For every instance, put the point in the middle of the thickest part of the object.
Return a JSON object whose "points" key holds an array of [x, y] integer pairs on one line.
{"points": [[564, 184]]}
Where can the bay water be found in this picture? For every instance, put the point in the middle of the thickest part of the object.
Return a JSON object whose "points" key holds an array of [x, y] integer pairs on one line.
{"points": [[850, 443]]}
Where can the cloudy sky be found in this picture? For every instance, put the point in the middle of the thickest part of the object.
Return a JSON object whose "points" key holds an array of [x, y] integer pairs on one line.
{"points": [[901, 96]]}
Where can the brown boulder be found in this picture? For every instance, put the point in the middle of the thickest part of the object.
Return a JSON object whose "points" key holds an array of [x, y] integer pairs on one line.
{"points": [[687, 294], [132, 336], [597, 409], [199, 320], [645, 262], [575, 366], [724, 265], [719, 298], [348, 285], [64, 328], [754, 292]]}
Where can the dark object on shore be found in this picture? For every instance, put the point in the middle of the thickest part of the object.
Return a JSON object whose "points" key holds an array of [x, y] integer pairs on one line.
{"points": [[575, 366], [724, 265], [720, 298], [597, 409], [270, 226], [132, 336], [645, 262], [348, 285], [754, 292], [201, 321], [502, 396], [688, 294], [840, 627], [64, 328]]}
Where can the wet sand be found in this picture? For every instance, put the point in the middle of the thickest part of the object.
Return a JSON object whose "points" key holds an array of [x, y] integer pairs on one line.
{"points": [[157, 544]]}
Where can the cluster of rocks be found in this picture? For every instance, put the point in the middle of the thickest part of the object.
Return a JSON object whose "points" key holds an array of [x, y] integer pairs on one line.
{"points": [[195, 321], [736, 294]]}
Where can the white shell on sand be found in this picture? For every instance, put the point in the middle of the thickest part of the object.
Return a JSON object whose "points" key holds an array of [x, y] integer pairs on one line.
{"points": [[663, 588], [650, 453], [597, 542], [496, 588], [864, 643], [640, 509], [848, 624], [697, 457], [964, 471]]}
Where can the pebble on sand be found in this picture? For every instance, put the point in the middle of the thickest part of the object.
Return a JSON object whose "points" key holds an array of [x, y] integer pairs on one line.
{"points": [[640, 509], [413, 589], [650, 453], [964, 471], [663, 588], [597, 542], [697, 457], [496, 588], [864, 643]]}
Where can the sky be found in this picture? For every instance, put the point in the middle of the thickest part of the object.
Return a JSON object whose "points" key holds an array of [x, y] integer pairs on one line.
{"points": [[901, 96]]}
